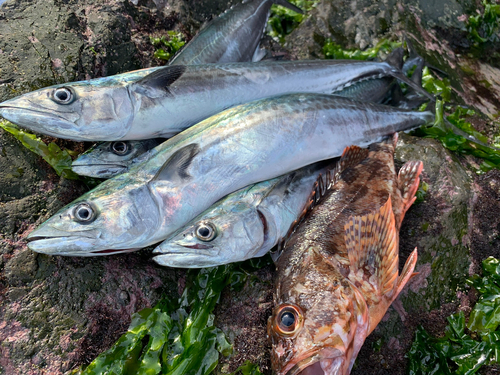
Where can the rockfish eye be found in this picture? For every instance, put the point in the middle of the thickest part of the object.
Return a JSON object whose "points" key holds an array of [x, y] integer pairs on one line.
{"points": [[63, 95], [205, 232], [120, 148], [84, 213], [288, 319]]}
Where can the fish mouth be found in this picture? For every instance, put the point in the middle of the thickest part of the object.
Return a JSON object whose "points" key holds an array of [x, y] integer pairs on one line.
{"points": [[326, 361], [43, 122], [98, 170], [69, 246]]}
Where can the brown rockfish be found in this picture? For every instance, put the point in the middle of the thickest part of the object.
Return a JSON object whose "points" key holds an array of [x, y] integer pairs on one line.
{"points": [[338, 270]]}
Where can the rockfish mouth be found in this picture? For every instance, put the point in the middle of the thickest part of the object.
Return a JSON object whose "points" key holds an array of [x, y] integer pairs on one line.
{"points": [[327, 361]]}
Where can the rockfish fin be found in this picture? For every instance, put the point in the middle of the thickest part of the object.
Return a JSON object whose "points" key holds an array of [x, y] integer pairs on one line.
{"points": [[351, 156], [372, 247], [407, 272], [175, 168], [288, 5], [157, 83], [408, 181]]}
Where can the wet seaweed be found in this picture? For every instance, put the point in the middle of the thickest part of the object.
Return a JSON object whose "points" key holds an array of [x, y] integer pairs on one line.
{"points": [[167, 46], [174, 337], [179, 337], [485, 27], [282, 21], [465, 348], [332, 50], [58, 159], [248, 368]]}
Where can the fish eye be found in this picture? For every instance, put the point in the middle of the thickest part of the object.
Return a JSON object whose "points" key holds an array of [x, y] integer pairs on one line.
{"points": [[84, 213], [63, 95], [205, 232], [288, 319], [120, 148]]}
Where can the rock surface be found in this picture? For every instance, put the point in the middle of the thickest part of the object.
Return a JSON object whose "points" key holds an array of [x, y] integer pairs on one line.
{"points": [[58, 313]]}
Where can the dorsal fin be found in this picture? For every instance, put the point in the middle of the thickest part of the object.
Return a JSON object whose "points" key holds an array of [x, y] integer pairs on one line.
{"points": [[158, 83], [175, 168], [372, 246], [351, 156]]}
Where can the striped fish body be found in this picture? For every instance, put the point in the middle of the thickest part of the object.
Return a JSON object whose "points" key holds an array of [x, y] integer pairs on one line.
{"points": [[188, 173]]}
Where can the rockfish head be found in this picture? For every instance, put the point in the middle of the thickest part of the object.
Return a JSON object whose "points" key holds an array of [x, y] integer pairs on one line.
{"points": [[112, 218], [319, 322], [229, 232], [81, 111]]}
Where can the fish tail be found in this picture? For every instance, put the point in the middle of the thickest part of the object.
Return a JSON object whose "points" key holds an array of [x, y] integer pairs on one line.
{"points": [[372, 247], [288, 5], [408, 181]]}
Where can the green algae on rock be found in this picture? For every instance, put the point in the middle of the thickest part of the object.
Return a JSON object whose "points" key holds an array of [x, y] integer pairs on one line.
{"points": [[58, 159], [167, 46], [464, 352], [172, 341]]}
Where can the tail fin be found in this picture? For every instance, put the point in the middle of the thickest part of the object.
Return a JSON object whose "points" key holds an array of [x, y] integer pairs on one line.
{"points": [[395, 58], [288, 5]]}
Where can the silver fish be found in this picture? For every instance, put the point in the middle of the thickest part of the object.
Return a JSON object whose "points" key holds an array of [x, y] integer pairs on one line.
{"points": [[233, 36], [245, 144], [108, 159], [173, 98], [243, 225]]}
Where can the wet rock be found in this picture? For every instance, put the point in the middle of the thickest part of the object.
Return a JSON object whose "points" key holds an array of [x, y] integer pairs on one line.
{"points": [[58, 313]]}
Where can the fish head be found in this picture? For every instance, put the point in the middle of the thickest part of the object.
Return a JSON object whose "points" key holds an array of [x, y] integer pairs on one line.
{"points": [[319, 323], [108, 159], [223, 234], [81, 111], [110, 219]]}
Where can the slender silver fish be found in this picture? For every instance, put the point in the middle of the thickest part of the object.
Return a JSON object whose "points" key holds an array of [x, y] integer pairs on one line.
{"points": [[245, 224], [233, 36], [105, 162], [173, 98], [245, 144]]}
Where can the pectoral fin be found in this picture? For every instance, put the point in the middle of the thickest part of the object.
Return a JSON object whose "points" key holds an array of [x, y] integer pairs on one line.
{"points": [[176, 167], [372, 247]]}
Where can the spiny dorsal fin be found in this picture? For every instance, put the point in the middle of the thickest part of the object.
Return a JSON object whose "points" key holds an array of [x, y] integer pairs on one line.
{"points": [[372, 247], [158, 83], [351, 156], [175, 168]]}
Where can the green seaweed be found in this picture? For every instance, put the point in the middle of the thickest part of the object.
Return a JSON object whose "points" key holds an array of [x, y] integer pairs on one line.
{"points": [[173, 337], [282, 21], [58, 159], [443, 132], [332, 50], [248, 368], [168, 45], [459, 351], [485, 27]]}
